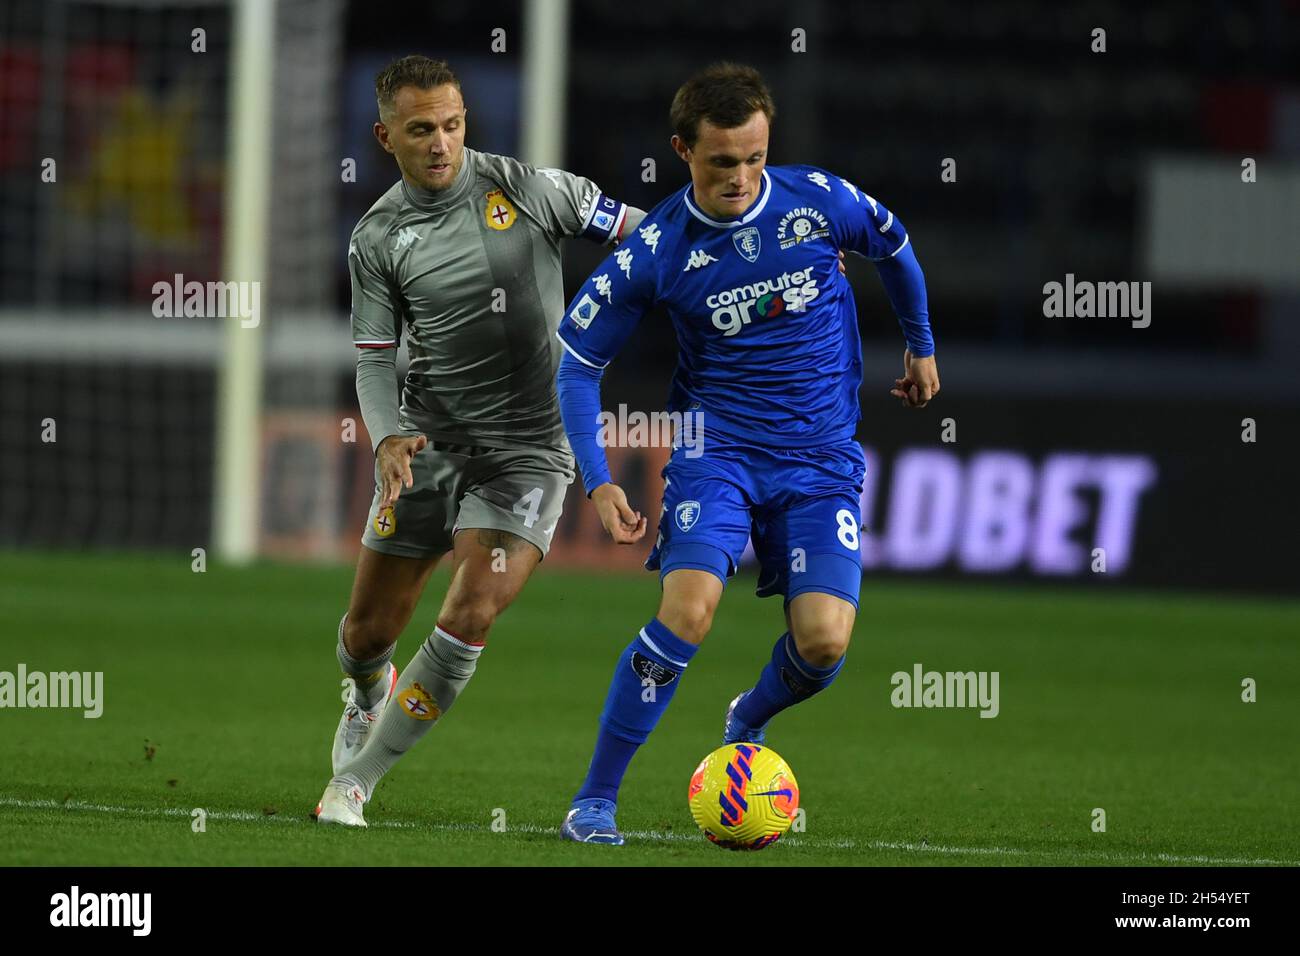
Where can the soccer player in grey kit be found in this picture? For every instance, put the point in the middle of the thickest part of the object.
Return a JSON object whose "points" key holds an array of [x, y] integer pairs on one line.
{"points": [[462, 255]]}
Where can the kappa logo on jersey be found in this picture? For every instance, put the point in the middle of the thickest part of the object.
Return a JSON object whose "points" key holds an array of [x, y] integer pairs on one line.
{"points": [[498, 212], [820, 180], [418, 703], [748, 242], [604, 288], [584, 311], [650, 236], [624, 259], [699, 259], [385, 522], [554, 175], [687, 513], [851, 188], [801, 225], [405, 237], [735, 308]]}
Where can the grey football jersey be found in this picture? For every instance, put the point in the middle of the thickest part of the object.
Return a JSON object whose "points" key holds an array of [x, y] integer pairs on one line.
{"points": [[471, 276]]}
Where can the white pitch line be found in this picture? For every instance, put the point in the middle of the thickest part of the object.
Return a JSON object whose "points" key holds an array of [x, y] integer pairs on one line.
{"points": [[1070, 854], [248, 816]]}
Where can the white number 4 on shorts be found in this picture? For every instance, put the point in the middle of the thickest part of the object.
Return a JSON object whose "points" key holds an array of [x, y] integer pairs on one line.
{"points": [[529, 507]]}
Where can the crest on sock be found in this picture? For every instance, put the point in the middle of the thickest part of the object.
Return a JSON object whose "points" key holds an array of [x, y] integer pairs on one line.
{"points": [[418, 703], [648, 670]]}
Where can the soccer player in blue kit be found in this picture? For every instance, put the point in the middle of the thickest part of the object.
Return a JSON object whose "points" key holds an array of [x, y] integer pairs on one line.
{"points": [[744, 259]]}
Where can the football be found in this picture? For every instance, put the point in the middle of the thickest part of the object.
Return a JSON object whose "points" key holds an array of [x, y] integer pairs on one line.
{"points": [[743, 796]]}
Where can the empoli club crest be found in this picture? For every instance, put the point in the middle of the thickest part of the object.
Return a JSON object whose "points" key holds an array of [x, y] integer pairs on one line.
{"points": [[498, 212], [748, 242], [687, 513]]}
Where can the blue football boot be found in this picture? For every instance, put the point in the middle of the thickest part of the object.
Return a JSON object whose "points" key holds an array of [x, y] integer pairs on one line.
{"points": [[734, 732], [592, 821]]}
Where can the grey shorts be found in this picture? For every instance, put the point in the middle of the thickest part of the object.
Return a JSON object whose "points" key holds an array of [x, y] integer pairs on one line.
{"points": [[459, 486]]}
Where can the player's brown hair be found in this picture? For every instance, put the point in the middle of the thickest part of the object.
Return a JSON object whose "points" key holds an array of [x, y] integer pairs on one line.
{"points": [[725, 94], [414, 70]]}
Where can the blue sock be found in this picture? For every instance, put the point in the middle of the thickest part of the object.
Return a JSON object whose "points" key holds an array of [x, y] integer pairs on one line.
{"points": [[786, 680], [647, 675]]}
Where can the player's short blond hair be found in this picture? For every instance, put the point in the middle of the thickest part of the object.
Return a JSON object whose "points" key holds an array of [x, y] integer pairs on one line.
{"points": [[725, 94], [414, 70]]}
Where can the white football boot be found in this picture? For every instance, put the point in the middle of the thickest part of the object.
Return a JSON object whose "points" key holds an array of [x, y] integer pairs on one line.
{"points": [[356, 723], [342, 804]]}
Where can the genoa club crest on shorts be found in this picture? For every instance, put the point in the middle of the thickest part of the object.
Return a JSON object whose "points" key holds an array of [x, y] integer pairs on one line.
{"points": [[385, 522]]}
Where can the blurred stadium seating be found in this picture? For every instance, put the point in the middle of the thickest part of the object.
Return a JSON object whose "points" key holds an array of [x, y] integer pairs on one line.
{"points": [[1068, 161]]}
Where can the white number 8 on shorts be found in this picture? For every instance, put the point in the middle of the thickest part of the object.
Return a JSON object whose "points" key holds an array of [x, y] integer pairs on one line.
{"points": [[848, 529]]}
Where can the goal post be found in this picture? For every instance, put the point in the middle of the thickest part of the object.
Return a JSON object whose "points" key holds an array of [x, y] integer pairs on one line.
{"points": [[544, 81], [237, 482]]}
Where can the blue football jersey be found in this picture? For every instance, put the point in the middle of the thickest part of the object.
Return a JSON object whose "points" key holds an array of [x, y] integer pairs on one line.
{"points": [[768, 345]]}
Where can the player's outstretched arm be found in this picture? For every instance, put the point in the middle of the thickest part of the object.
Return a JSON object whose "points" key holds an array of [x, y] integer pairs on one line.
{"points": [[630, 223], [376, 331], [864, 225], [904, 283], [568, 205], [600, 318], [578, 387], [378, 397], [377, 393]]}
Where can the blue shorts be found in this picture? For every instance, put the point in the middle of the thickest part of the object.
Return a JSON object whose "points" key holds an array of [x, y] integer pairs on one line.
{"points": [[800, 505]]}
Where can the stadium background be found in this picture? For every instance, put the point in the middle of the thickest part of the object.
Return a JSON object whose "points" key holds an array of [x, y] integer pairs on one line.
{"points": [[1071, 433], [1115, 166]]}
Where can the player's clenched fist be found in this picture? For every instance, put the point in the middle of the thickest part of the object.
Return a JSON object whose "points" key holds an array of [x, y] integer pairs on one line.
{"points": [[920, 381], [624, 525], [394, 461]]}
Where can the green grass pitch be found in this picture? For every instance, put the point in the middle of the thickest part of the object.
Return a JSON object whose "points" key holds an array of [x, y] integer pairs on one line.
{"points": [[221, 692]]}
